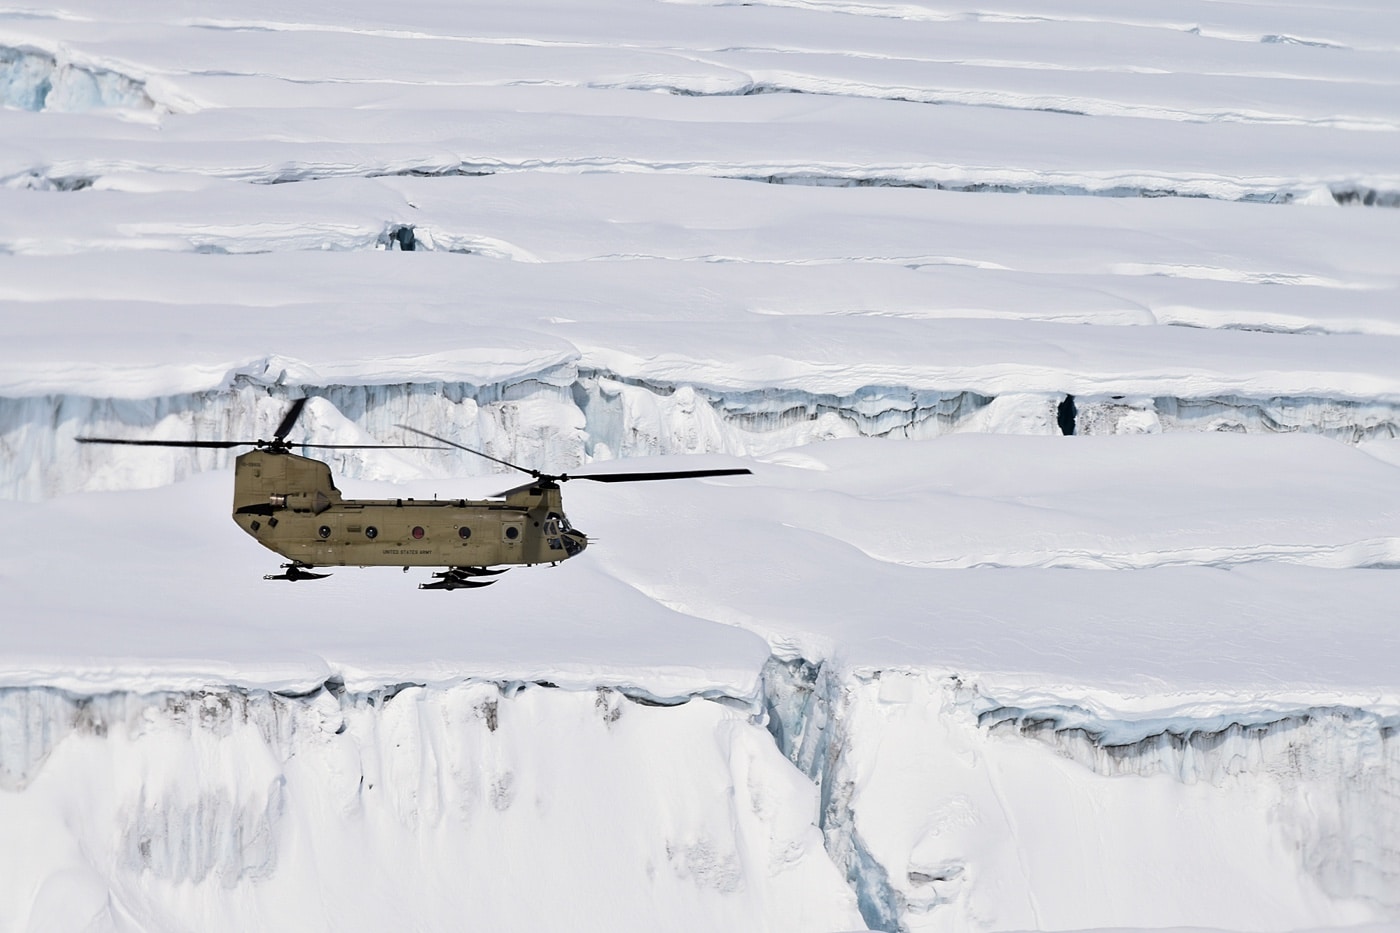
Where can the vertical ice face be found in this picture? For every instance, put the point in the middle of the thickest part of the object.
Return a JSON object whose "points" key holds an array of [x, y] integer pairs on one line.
{"points": [[949, 812], [563, 417], [35, 80], [509, 806]]}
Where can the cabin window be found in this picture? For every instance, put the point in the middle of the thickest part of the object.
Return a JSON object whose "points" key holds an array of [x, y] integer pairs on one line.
{"points": [[417, 531], [512, 532], [324, 531], [464, 532], [371, 532]]}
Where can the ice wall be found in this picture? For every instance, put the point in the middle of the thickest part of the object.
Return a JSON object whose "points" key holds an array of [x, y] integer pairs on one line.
{"points": [[901, 800], [564, 416], [948, 811], [31, 79], [505, 806]]}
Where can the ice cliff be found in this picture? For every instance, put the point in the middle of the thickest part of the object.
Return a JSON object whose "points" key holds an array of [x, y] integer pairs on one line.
{"points": [[904, 800], [161, 804], [566, 415], [31, 79], [948, 811]]}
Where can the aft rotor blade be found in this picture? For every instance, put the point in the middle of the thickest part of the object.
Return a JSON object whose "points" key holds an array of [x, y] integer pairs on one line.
{"points": [[648, 477], [224, 445], [443, 440], [289, 419], [118, 440]]}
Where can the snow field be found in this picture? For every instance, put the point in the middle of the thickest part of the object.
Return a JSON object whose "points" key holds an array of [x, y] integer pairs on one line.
{"points": [[1138, 679]]}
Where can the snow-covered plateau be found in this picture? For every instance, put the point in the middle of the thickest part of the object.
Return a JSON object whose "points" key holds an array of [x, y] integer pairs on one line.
{"points": [[1062, 339]]}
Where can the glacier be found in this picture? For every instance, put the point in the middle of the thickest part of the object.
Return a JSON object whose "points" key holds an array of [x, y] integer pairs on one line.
{"points": [[1060, 594]]}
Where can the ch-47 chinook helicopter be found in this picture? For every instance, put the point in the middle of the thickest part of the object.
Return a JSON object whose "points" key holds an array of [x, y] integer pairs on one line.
{"points": [[290, 505]]}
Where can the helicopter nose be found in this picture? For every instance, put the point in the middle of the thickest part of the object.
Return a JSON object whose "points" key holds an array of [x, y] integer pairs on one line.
{"points": [[574, 542]]}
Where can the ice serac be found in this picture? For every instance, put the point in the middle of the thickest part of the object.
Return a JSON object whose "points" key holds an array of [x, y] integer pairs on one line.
{"points": [[500, 805], [31, 79], [563, 416], [951, 811]]}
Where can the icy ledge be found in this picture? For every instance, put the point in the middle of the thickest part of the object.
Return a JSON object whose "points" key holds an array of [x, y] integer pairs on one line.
{"points": [[562, 416], [499, 805], [905, 800], [948, 810]]}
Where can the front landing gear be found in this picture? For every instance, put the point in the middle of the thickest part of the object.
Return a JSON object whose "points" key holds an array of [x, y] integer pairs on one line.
{"points": [[460, 578], [295, 571]]}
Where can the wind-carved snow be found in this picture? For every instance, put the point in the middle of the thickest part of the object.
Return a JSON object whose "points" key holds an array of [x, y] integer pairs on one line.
{"points": [[249, 797], [34, 80]]}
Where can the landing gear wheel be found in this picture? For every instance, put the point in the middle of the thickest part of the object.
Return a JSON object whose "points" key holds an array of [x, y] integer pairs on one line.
{"points": [[295, 571], [460, 578]]}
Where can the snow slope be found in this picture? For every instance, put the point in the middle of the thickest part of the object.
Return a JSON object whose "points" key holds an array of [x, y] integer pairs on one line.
{"points": [[933, 666]]}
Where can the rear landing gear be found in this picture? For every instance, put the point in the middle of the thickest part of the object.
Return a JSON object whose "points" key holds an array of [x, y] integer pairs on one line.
{"points": [[461, 578], [295, 571]]}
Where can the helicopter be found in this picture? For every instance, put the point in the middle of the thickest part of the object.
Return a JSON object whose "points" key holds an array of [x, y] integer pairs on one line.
{"points": [[290, 505]]}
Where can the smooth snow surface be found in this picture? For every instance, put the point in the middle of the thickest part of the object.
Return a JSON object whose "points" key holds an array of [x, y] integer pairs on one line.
{"points": [[934, 666]]}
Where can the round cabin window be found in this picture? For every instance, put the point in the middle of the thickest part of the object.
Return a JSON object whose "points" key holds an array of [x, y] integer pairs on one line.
{"points": [[512, 532], [464, 532], [371, 532], [324, 531], [417, 531]]}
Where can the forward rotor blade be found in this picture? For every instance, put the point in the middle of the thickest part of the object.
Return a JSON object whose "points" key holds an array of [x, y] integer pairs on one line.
{"points": [[649, 477], [289, 419], [367, 446], [118, 440], [628, 477], [443, 440]]}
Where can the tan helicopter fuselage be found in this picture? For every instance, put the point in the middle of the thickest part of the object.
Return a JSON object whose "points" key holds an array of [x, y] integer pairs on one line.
{"points": [[290, 505]]}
